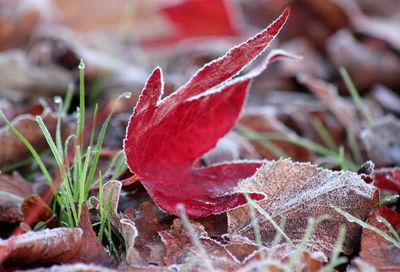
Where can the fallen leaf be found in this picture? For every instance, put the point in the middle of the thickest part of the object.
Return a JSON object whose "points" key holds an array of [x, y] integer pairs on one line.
{"points": [[165, 137], [47, 246], [91, 251], [13, 190], [376, 250], [11, 148], [381, 141], [181, 251], [125, 227], [34, 208], [387, 179], [298, 191]]}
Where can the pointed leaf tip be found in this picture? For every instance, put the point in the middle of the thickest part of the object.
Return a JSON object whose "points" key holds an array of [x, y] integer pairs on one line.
{"points": [[152, 91]]}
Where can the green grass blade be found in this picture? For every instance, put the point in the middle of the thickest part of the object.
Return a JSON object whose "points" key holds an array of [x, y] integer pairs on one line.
{"points": [[81, 120], [386, 198], [269, 218], [50, 142], [356, 97], [323, 133], [351, 218], [30, 148]]}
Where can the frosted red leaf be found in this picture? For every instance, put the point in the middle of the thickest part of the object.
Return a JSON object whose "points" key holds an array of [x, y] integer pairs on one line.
{"points": [[387, 179], [166, 136], [298, 191]]}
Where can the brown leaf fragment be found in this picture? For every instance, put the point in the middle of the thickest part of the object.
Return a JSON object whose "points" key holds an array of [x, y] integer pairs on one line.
{"points": [[126, 227], [91, 251], [377, 251], [47, 246], [298, 191], [328, 94], [11, 148], [33, 204], [306, 262], [181, 251], [382, 140], [13, 190], [73, 268]]}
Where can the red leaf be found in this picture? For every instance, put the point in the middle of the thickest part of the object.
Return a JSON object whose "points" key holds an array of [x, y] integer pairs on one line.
{"points": [[165, 137], [187, 19], [387, 179]]}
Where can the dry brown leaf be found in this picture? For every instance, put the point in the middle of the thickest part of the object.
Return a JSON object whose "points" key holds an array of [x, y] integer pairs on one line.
{"points": [[299, 191], [11, 148], [47, 246], [181, 251], [126, 227], [376, 250], [328, 94], [36, 208], [382, 140], [91, 251], [10, 205]]}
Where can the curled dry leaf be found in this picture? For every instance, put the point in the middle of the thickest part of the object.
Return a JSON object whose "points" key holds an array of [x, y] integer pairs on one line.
{"points": [[142, 243], [298, 191], [382, 141], [47, 246], [165, 137], [59, 245], [126, 227], [11, 148], [376, 250], [13, 190]]}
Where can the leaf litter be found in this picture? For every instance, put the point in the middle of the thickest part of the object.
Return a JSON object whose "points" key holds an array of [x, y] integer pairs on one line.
{"points": [[196, 162]]}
